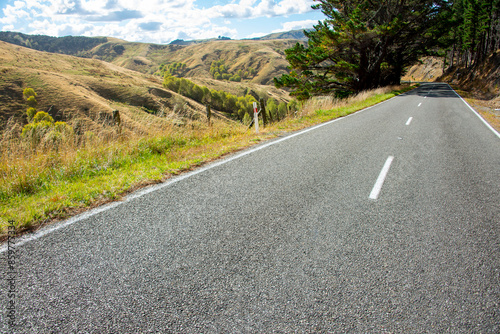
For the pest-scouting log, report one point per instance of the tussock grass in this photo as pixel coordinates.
(324, 108)
(47, 183)
(326, 103)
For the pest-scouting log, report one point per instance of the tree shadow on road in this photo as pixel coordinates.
(433, 90)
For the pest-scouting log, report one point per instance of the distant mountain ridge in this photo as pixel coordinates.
(69, 45)
(292, 34)
(81, 45)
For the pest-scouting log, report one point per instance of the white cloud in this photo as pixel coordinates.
(269, 8)
(13, 13)
(149, 21)
(72, 27)
(295, 25)
(257, 35)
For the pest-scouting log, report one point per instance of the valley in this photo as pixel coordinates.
(125, 76)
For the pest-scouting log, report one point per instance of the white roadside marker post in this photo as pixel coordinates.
(256, 117)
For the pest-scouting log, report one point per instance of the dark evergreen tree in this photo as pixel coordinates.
(474, 32)
(363, 44)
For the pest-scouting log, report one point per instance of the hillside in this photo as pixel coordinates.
(484, 77)
(265, 55)
(84, 92)
(427, 69)
(480, 85)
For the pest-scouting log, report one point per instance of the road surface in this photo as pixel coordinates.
(383, 221)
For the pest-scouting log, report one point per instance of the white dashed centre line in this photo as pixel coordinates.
(420, 104)
(381, 178)
(409, 121)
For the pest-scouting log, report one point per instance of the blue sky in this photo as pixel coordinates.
(157, 21)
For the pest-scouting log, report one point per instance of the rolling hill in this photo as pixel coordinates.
(265, 55)
(110, 74)
(84, 92)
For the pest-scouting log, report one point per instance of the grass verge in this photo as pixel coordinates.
(487, 106)
(42, 186)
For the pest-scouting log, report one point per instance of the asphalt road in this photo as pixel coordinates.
(286, 238)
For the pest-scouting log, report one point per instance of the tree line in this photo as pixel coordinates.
(364, 44)
(177, 69)
(474, 32)
(219, 71)
(70, 45)
(234, 106)
(237, 107)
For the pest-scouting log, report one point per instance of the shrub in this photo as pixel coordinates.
(36, 131)
(43, 130)
(32, 103)
(31, 112)
(64, 128)
(29, 92)
(30, 96)
(235, 78)
(42, 116)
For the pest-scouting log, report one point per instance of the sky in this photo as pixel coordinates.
(157, 21)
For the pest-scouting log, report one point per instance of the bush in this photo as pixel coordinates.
(247, 119)
(235, 78)
(31, 112)
(282, 110)
(44, 131)
(29, 92)
(32, 103)
(35, 132)
(293, 106)
(42, 116)
(41, 127)
(65, 129)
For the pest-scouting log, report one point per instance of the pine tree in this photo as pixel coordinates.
(363, 44)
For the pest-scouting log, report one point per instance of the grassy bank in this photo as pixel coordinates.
(43, 185)
(487, 105)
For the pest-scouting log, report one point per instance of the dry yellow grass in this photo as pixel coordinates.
(330, 102)
(45, 183)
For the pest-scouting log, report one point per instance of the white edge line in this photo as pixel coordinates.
(477, 114)
(70, 221)
(409, 121)
(381, 178)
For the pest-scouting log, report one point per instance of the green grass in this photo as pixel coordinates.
(36, 188)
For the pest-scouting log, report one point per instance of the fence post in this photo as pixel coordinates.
(256, 117)
(263, 111)
(209, 114)
(117, 120)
